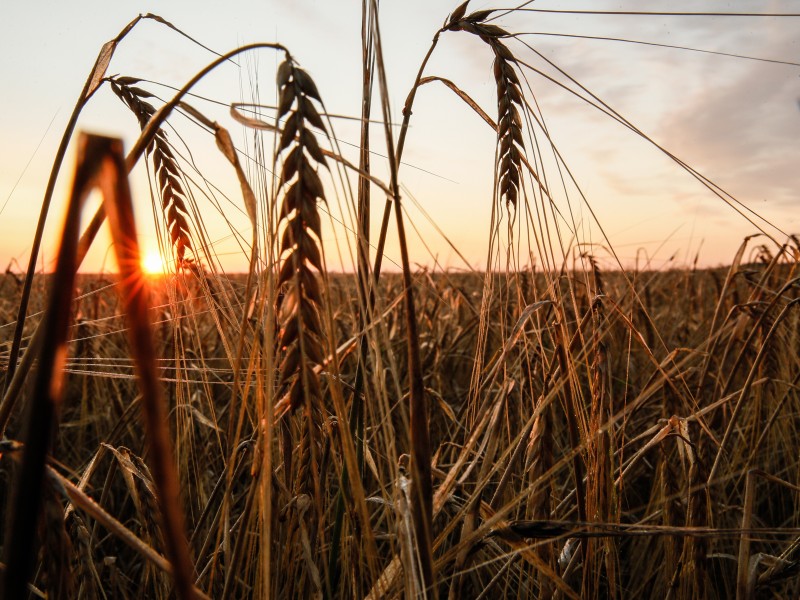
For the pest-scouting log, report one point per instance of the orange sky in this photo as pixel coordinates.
(733, 119)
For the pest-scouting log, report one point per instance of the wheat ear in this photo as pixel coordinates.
(166, 167)
(510, 145)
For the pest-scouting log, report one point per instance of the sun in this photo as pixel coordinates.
(152, 263)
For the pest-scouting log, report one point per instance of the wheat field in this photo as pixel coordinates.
(555, 424)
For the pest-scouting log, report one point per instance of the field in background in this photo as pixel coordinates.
(650, 390)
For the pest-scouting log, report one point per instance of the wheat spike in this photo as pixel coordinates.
(166, 167)
(300, 299)
(510, 144)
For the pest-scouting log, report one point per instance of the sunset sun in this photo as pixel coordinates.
(153, 263)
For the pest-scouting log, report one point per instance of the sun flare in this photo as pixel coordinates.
(153, 263)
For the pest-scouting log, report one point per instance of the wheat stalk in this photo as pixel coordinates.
(301, 340)
(56, 548)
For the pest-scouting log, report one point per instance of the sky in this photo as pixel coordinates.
(735, 120)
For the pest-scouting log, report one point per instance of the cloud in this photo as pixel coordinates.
(741, 126)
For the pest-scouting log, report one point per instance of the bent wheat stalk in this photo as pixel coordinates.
(101, 164)
(150, 131)
(93, 82)
(89, 88)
